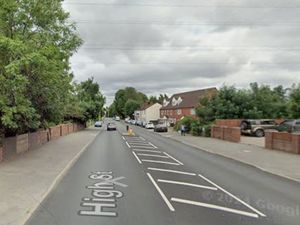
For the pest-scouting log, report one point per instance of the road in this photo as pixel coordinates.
(152, 180)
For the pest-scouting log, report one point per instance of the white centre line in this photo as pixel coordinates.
(162, 162)
(187, 184)
(123, 138)
(128, 145)
(152, 145)
(171, 171)
(158, 156)
(161, 193)
(233, 196)
(144, 150)
(215, 207)
(137, 158)
(173, 158)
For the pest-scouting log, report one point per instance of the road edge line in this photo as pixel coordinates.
(58, 179)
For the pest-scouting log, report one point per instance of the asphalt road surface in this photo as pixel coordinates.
(152, 180)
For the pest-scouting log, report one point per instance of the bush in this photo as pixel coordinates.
(187, 121)
(207, 130)
(196, 128)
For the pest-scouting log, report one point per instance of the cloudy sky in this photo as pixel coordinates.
(169, 46)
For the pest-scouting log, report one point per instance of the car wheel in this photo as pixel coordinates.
(244, 125)
(259, 133)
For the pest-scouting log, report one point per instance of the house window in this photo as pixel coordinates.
(179, 111)
(193, 112)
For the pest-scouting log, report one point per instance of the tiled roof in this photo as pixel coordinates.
(188, 99)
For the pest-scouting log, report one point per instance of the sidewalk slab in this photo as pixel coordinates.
(279, 163)
(25, 181)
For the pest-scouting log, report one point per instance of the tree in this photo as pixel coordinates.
(123, 95)
(36, 42)
(294, 102)
(130, 106)
(91, 100)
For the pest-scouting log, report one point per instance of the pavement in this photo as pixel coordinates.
(28, 179)
(150, 179)
(250, 152)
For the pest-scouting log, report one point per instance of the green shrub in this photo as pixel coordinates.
(196, 128)
(207, 130)
(187, 121)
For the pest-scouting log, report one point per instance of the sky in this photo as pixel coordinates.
(170, 46)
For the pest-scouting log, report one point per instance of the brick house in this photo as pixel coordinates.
(184, 104)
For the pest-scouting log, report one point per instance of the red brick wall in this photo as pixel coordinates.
(172, 113)
(70, 128)
(1, 154)
(283, 141)
(22, 143)
(38, 139)
(64, 129)
(55, 132)
(229, 123)
(232, 134)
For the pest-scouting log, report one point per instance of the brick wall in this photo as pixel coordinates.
(70, 128)
(64, 129)
(229, 123)
(12, 146)
(38, 139)
(22, 143)
(1, 154)
(55, 132)
(283, 141)
(232, 134)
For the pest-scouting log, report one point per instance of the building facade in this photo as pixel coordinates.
(148, 112)
(184, 104)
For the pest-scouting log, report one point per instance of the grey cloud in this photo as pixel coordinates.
(170, 49)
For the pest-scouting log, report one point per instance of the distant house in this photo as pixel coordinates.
(184, 104)
(148, 112)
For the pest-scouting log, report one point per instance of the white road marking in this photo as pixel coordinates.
(187, 184)
(141, 146)
(172, 171)
(162, 162)
(144, 150)
(173, 158)
(123, 138)
(152, 145)
(233, 196)
(137, 158)
(161, 193)
(142, 138)
(158, 156)
(235, 211)
(128, 145)
(138, 143)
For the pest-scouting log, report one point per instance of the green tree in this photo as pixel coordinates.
(294, 102)
(123, 95)
(36, 42)
(130, 106)
(91, 100)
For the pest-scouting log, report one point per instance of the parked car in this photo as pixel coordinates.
(257, 127)
(291, 126)
(117, 118)
(139, 123)
(149, 125)
(98, 124)
(111, 126)
(161, 127)
(133, 122)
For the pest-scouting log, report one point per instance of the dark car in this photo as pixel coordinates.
(111, 126)
(257, 127)
(291, 126)
(161, 127)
